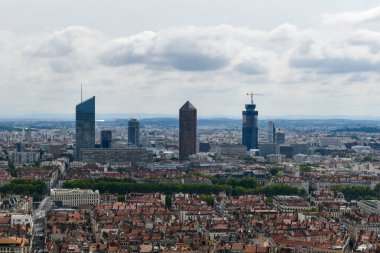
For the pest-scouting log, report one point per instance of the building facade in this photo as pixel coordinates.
(187, 130)
(75, 197)
(14, 244)
(106, 138)
(112, 155)
(271, 132)
(280, 137)
(134, 132)
(250, 130)
(85, 126)
(269, 149)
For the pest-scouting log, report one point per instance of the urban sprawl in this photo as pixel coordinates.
(189, 184)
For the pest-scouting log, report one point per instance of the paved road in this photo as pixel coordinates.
(39, 225)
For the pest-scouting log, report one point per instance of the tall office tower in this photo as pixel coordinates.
(280, 137)
(250, 133)
(28, 134)
(105, 138)
(134, 132)
(187, 130)
(85, 126)
(271, 132)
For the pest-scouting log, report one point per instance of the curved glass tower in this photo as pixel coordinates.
(85, 126)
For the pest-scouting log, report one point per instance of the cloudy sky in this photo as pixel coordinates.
(309, 58)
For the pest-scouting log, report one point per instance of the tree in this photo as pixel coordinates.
(377, 190)
(356, 192)
(168, 201)
(121, 198)
(367, 159)
(25, 186)
(247, 182)
(274, 171)
(11, 169)
(209, 199)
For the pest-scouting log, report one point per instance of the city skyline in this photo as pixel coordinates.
(326, 56)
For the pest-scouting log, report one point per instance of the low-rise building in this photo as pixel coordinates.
(75, 197)
(112, 155)
(290, 204)
(14, 245)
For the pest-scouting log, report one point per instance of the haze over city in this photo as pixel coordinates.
(310, 59)
(210, 126)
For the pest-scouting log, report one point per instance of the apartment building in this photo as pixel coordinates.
(75, 197)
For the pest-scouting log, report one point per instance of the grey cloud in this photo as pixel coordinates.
(366, 38)
(195, 61)
(123, 57)
(203, 49)
(336, 65)
(157, 51)
(188, 55)
(250, 68)
(63, 66)
(65, 51)
(62, 42)
(131, 50)
(52, 48)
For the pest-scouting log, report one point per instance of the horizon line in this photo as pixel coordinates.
(71, 117)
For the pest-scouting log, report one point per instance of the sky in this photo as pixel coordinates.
(147, 58)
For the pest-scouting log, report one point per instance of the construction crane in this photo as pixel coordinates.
(254, 94)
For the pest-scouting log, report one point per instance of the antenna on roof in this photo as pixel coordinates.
(81, 93)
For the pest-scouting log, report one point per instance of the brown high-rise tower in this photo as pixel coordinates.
(187, 130)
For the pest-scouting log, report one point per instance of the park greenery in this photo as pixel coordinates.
(358, 192)
(234, 187)
(25, 187)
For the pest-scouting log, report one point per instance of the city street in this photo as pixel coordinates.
(39, 225)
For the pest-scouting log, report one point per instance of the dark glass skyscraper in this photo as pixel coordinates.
(250, 132)
(134, 132)
(187, 130)
(106, 138)
(85, 126)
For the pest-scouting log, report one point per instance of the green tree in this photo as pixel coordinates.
(274, 171)
(377, 190)
(208, 198)
(247, 182)
(356, 192)
(367, 159)
(11, 169)
(168, 201)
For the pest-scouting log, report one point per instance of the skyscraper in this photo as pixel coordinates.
(134, 132)
(106, 138)
(187, 130)
(85, 126)
(250, 130)
(280, 137)
(271, 132)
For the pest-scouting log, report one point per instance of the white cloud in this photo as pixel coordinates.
(214, 66)
(351, 17)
